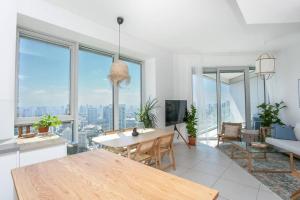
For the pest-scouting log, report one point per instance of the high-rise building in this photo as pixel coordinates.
(107, 118)
(92, 115)
(122, 116)
(82, 140)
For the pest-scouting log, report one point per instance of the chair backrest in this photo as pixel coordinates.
(145, 147)
(111, 132)
(231, 124)
(165, 141)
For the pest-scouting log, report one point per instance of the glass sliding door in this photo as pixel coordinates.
(222, 94)
(232, 97)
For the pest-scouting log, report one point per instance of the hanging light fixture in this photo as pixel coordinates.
(119, 69)
(265, 68)
(265, 65)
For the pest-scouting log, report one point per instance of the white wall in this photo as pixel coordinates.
(285, 83)
(8, 22)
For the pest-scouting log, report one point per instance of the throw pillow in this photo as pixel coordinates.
(283, 132)
(231, 131)
(297, 131)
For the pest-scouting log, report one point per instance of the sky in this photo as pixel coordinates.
(44, 77)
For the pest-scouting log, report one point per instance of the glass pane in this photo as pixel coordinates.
(65, 131)
(44, 79)
(130, 97)
(94, 96)
(256, 98)
(232, 97)
(205, 100)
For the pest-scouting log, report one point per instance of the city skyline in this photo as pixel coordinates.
(45, 70)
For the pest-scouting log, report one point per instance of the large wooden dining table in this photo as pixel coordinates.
(125, 139)
(102, 175)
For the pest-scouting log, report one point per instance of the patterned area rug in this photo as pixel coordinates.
(283, 184)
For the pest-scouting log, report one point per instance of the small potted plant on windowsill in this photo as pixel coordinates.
(191, 125)
(45, 122)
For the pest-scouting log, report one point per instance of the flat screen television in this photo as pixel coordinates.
(175, 111)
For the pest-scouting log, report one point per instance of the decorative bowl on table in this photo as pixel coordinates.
(259, 145)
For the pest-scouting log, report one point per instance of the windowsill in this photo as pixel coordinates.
(39, 142)
(29, 144)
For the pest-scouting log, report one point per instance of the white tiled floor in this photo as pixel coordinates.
(209, 166)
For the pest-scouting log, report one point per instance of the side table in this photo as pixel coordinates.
(249, 136)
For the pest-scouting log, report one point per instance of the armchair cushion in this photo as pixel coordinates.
(231, 130)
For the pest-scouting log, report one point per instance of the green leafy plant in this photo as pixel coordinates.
(191, 121)
(47, 121)
(147, 114)
(269, 113)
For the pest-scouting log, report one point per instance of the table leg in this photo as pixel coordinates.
(292, 164)
(128, 151)
(250, 166)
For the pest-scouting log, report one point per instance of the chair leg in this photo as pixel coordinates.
(173, 158)
(218, 141)
(159, 160)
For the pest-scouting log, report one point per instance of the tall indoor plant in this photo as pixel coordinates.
(269, 114)
(147, 113)
(191, 124)
(45, 122)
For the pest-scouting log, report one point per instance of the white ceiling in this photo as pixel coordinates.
(270, 11)
(185, 26)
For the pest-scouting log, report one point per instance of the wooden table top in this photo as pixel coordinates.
(103, 175)
(124, 139)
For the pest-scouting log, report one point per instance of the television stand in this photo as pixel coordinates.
(179, 134)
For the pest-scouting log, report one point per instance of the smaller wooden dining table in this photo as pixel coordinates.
(125, 139)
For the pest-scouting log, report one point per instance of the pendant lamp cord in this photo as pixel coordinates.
(119, 40)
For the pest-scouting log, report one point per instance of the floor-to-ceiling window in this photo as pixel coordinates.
(130, 96)
(205, 99)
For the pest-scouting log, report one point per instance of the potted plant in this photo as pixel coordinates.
(146, 115)
(45, 122)
(191, 124)
(269, 114)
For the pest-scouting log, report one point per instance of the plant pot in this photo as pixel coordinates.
(192, 140)
(43, 130)
(264, 132)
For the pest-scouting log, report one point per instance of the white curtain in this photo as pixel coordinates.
(204, 99)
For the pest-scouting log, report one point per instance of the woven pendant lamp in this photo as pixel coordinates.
(119, 69)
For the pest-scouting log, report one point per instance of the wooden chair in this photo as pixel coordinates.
(222, 137)
(145, 152)
(165, 146)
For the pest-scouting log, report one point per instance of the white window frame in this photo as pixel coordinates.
(73, 99)
(19, 121)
